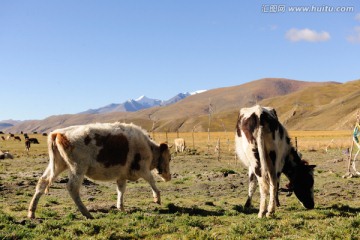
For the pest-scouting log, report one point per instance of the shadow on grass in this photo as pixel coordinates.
(241, 209)
(342, 208)
(192, 211)
(196, 211)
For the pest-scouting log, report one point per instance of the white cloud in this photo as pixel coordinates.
(357, 17)
(355, 37)
(308, 35)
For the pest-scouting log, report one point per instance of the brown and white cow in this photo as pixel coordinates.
(110, 151)
(27, 144)
(179, 144)
(264, 146)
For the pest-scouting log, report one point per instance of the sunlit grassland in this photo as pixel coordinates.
(306, 140)
(200, 202)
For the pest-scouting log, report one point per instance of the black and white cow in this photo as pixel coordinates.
(110, 151)
(6, 155)
(264, 146)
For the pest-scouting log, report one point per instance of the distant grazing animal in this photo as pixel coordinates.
(44, 134)
(110, 151)
(179, 144)
(26, 135)
(1, 132)
(10, 136)
(17, 138)
(34, 140)
(4, 155)
(27, 144)
(263, 145)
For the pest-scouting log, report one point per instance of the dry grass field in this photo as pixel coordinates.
(204, 200)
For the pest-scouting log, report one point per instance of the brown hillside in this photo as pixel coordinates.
(192, 113)
(227, 98)
(329, 107)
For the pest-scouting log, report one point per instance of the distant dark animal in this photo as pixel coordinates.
(3, 138)
(34, 140)
(263, 145)
(44, 134)
(5, 155)
(17, 138)
(103, 152)
(27, 144)
(34, 132)
(1, 132)
(26, 135)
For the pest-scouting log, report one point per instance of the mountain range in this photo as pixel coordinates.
(300, 105)
(140, 103)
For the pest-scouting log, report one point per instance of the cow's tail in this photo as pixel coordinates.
(53, 153)
(260, 140)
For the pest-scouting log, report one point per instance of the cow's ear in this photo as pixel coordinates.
(163, 147)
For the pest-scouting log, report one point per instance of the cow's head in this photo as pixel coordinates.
(163, 166)
(303, 185)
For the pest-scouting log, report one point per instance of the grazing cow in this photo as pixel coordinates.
(27, 144)
(34, 140)
(263, 145)
(10, 136)
(111, 151)
(179, 144)
(17, 138)
(4, 155)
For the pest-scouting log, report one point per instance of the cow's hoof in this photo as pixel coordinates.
(270, 215)
(157, 200)
(31, 215)
(261, 214)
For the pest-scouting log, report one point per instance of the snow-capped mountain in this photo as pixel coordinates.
(137, 104)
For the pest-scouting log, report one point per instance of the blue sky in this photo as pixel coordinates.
(59, 57)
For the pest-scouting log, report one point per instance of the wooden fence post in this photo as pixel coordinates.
(218, 149)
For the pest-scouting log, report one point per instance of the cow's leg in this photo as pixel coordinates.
(252, 188)
(272, 199)
(73, 186)
(156, 192)
(277, 190)
(263, 193)
(277, 201)
(121, 186)
(43, 184)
